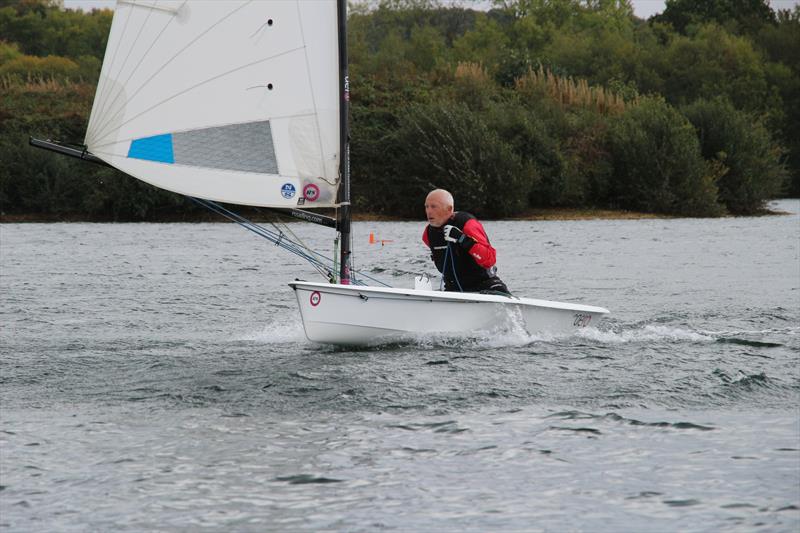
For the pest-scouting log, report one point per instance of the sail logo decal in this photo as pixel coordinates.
(156, 148)
(288, 190)
(311, 192)
(315, 298)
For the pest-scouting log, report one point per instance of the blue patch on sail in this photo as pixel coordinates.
(155, 148)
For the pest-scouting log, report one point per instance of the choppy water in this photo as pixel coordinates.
(155, 377)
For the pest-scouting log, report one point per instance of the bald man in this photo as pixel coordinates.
(459, 247)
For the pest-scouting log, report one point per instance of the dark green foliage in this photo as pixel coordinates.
(740, 143)
(444, 145)
(375, 111)
(745, 16)
(43, 31)
(782, 45)
(588, 165)
(658, 166)
(781, 41)
(406, 16)
(526, 132)
(36, 181)
(437, 101)
(566, 145)
(713, 62)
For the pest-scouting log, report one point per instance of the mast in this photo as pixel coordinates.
(344, 147)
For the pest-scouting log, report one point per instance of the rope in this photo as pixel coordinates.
(321, 263)
(452, 267)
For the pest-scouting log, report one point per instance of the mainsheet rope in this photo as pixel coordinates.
(321, 263)
(452, 267)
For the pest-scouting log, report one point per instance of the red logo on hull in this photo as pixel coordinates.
(311, 192)
(316, 297)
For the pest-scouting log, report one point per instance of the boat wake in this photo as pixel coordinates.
(289, 330)
(647, 333)
(286, 330)
(670, 334)
(512, 333)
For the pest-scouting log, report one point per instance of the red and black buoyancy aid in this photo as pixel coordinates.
(454, 261)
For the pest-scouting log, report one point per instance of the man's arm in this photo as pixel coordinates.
(481, 251)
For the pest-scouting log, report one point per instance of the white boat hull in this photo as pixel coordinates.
(357, 315)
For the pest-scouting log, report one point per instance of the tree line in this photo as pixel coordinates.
(532, 103)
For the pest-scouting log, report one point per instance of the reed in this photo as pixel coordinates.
(570, 92)
(76, 89)
(467, 70)
(33, 82)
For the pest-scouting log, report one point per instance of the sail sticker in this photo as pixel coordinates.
(316, 297)
(311, 192)
(287, 190)
(156, 148)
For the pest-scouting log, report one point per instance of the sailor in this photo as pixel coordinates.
(459, 247)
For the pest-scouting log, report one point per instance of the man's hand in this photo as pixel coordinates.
(453, 234)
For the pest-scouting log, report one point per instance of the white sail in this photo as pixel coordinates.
(232, 101)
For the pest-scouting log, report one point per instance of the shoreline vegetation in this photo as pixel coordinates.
(557, 110)
(542, 214)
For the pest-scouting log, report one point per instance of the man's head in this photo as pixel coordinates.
(439, 207)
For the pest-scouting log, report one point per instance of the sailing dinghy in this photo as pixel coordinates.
(246, 103)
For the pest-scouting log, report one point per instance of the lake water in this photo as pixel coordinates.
(155, 377)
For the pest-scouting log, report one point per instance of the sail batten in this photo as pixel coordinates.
(153, 6)
(234, 102)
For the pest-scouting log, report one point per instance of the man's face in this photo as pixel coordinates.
(437, 211)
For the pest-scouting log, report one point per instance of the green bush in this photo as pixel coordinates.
(528, 135)
(657, 163)
(473, 87)
(437, 101)
(37, 69)
(374, 112)
(41, 28)
(39, 182)
(8, 51)
(753, 170)
(587, 164)
(445, 145)
(568, 141)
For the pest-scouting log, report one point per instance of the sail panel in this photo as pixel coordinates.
(245, 147)
(243, 87)
(156, 148)
(242, 188)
